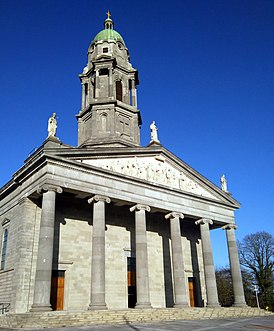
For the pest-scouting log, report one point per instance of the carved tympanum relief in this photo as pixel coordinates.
(152, 169)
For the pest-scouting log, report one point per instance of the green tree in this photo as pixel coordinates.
(256, 252)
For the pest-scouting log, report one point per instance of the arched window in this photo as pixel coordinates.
(119, 90)
(4, 249)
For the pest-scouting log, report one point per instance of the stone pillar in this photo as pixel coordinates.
(83, 96)
(42, 286)
(180, 293)
(97, 295)
(24, 244)
(210, 278)
(97, 88)
(110, 93)
(142, 279)
(134, 94)
(237, 282)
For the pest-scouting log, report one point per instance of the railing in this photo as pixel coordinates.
(4, 307)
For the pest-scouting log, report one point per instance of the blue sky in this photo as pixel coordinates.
(206, 78)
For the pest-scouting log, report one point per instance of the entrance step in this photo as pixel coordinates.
(80, 318)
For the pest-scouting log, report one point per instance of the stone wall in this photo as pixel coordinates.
(73, 248)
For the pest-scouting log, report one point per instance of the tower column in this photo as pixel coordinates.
(142, 279)
(180, 293)
(210, 278)
(97, 295)
(97, 87)
(237, 282)
(83, 96)
(42, 286)
(110, 93)
(134, 94)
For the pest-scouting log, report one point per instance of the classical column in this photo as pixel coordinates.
(42, 286)
(237, 282)
(210, 278)
(142, 280)
(97, 295)
(110, 93)
(83, 96)
(97, 88)
(180, 293)
(133, 93)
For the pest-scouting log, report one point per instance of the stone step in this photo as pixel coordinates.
(81, 318)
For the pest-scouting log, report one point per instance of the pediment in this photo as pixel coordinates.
(154, 169)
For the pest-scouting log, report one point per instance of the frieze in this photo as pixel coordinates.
(152, 169)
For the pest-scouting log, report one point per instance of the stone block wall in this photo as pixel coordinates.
(73, 249)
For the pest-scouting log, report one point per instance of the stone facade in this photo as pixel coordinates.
(111, 224)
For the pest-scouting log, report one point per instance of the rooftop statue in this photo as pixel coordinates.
(153, 133)
(224, 183)
(52, 126)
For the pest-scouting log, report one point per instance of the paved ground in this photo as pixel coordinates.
(244, 324)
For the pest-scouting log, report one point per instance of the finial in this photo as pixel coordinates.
(108, 21)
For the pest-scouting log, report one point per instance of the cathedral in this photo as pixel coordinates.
(111, 224)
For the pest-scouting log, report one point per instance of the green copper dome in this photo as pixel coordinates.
(108, 34)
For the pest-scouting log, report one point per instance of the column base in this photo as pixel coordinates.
(240, 305)
(37, 307)
(145, 305)
(213, 305)
(181, 305)
(97, 307)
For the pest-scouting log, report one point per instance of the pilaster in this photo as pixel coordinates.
(23, 264)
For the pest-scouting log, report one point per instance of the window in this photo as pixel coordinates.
(119, 90)
(4, 249)
(105, 50)
(103, 72)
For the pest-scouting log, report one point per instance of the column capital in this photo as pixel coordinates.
(173, 215)
(230, 226)
(97, 198)
(203, 221)
(139, 207)
(48, 187)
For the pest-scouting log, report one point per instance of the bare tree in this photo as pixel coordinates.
(256, 253)
(224, 286)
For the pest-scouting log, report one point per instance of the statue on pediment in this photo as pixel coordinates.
(52, 126)
(224, 183)
(154, 133)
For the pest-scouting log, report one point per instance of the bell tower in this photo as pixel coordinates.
(109, 115)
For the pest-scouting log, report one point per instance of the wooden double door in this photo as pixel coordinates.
(192, 292)
(131, 281)
(57, 289)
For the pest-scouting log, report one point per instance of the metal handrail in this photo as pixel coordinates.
(4, 307)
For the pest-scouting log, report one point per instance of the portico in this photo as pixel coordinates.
(139, 216)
